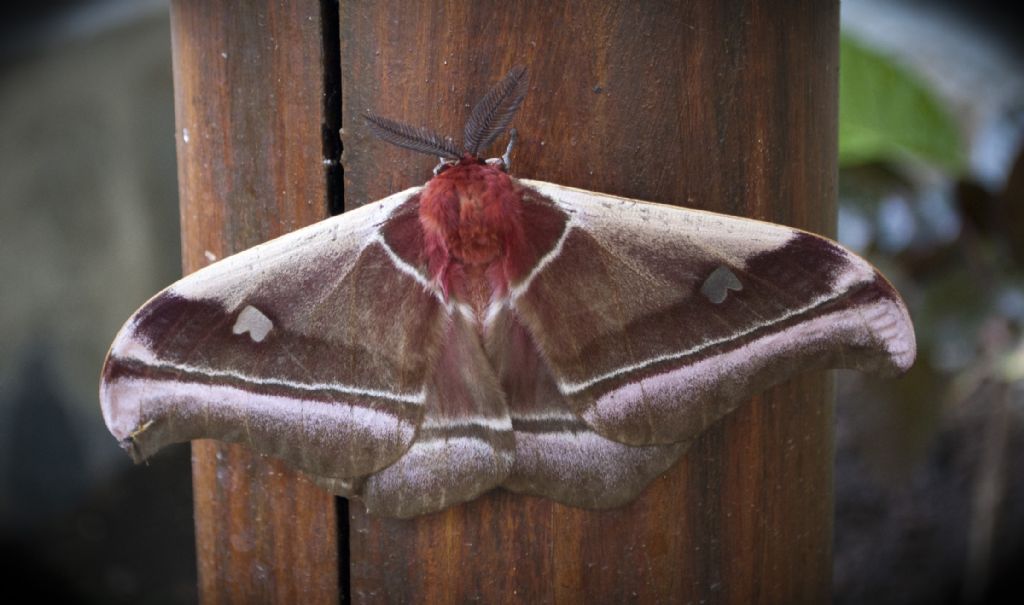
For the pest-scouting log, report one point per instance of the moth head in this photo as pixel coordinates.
(490, 118)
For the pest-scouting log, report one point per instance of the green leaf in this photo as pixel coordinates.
(886, 115)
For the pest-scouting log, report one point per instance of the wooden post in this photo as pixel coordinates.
(726, 105)
(249, 104)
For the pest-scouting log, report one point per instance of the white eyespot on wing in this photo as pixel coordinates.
(716, 287)
(253, 321)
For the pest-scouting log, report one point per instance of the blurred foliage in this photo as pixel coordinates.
(885, 114)
(924, 487)
(907, 201)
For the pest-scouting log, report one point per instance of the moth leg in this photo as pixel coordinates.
(506, 159)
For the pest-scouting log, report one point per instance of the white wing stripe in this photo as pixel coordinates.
(552, 254)
(405, 267)
(571, 388)
(413, 398)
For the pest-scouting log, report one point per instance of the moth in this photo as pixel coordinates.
(482, 331)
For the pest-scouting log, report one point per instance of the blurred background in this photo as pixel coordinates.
(929, 469)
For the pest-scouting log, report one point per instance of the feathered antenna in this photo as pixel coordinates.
(495, 111)
(420, 139)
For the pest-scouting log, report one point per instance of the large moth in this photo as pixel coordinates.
(482, 331)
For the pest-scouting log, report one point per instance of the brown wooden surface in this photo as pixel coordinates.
(722, 105)
(248, 81)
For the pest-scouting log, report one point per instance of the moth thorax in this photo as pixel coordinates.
(468, 213)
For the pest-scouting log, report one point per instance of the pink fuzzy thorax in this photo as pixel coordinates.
(471, 215)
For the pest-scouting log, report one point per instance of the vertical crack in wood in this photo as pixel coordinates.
(344, 555)
(331, 45)
(330, 15)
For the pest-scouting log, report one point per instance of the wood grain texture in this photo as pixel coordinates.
(720, 105)
(248, 84)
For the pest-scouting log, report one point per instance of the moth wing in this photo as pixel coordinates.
(655, 321)
(313, 348)
(465, 445)
(556, 454)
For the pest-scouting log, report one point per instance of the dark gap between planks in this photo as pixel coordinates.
(332, 146)
(335, 194)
